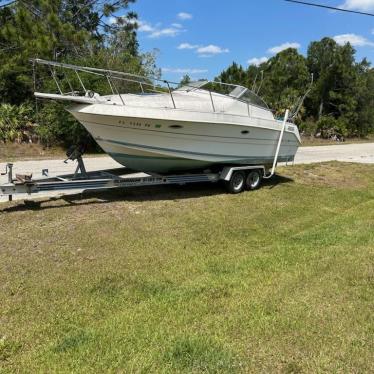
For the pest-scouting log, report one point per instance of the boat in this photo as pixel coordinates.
(162, 129)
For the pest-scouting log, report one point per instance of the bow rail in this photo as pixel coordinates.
(146, 85)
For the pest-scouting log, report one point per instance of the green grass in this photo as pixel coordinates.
(193, 280)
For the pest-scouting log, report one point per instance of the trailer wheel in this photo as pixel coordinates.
(253, 180)
(236, 183)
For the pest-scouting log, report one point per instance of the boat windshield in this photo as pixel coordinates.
(192, 86)
(251, 98)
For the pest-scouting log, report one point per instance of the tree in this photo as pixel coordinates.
(185, 80)
(280, 81)
(365, 99)
(333, 67)
(82, 32)
(286, 78)
(339, 90)
(57, 30)
(234, 74)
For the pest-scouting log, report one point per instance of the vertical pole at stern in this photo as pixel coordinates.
(278, 145)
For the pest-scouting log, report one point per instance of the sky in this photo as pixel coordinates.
(203, 37)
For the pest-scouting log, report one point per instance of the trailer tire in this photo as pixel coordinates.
(236, 183)
(253, 180)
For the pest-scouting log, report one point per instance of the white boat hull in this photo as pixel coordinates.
(154, 140)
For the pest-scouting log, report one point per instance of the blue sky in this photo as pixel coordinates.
(202, 37)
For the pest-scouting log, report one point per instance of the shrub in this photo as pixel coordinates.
(329, 127)
(308, 128)
(57, 126)
(16, 122)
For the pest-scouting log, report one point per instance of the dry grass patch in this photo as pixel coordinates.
(331, 174)
(11, 152)
(14, 152)
(308, 141)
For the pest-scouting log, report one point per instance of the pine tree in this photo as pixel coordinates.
(59, 30)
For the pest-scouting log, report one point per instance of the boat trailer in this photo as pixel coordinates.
(83, 180)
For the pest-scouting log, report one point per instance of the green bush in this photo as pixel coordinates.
(51, 125)
(308, 128)
(330, 126)
(57, 126)
(16, 122)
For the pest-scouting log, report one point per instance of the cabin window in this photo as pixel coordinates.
(245, 132)
(175, 126)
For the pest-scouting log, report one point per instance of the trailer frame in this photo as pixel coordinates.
(83, 180)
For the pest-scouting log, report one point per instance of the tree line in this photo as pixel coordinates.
(341, 99)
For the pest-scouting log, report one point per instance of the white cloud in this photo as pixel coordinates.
(156, 31)
(184, 16)
(204, 50)
(168, 31)
(273, 51)
(360, 5)
(188, 46)
(353, 39)
(257, 61)
(211, 50)
(144, 26)
(184, 70)
(282, 47)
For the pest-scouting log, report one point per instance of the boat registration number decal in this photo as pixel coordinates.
(137, 124)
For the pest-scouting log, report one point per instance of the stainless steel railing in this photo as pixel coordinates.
(152, 84)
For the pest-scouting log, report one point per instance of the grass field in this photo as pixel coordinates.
(189, 279)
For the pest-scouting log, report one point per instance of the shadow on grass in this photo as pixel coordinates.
(133, 194)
